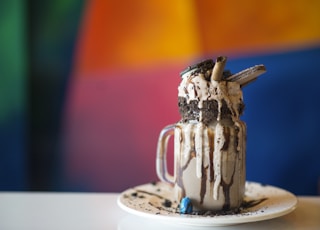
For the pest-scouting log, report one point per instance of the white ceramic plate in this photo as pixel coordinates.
(149, 200)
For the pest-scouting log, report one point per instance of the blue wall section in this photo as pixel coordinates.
(13, 173)
(282, 116)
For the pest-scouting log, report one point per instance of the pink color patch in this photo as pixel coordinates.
(112, 126)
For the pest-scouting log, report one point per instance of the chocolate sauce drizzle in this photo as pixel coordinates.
(166, 204)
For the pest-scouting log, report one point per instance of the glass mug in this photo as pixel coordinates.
(209, 163)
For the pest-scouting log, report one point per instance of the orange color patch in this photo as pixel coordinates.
(141, 33)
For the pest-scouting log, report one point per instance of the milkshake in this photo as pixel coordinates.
(210, 138)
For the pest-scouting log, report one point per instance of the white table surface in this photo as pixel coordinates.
(37, 210)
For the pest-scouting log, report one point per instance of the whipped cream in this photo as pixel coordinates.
(195, 87)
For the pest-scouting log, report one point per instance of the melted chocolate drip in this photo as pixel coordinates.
(226, 134)
(211, 146)
(252, 203)
(226, 191)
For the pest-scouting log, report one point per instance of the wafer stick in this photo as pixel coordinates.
(246, 76)
(218, 68)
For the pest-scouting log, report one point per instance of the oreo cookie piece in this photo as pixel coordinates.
(204, 67)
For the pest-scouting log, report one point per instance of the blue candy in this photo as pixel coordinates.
(186, 206)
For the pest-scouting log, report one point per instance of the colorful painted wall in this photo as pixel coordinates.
(114, 77)
(13, 100)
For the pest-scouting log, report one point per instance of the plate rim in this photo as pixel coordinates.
(221, 220)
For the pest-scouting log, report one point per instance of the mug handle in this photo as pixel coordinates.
(161, 160)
